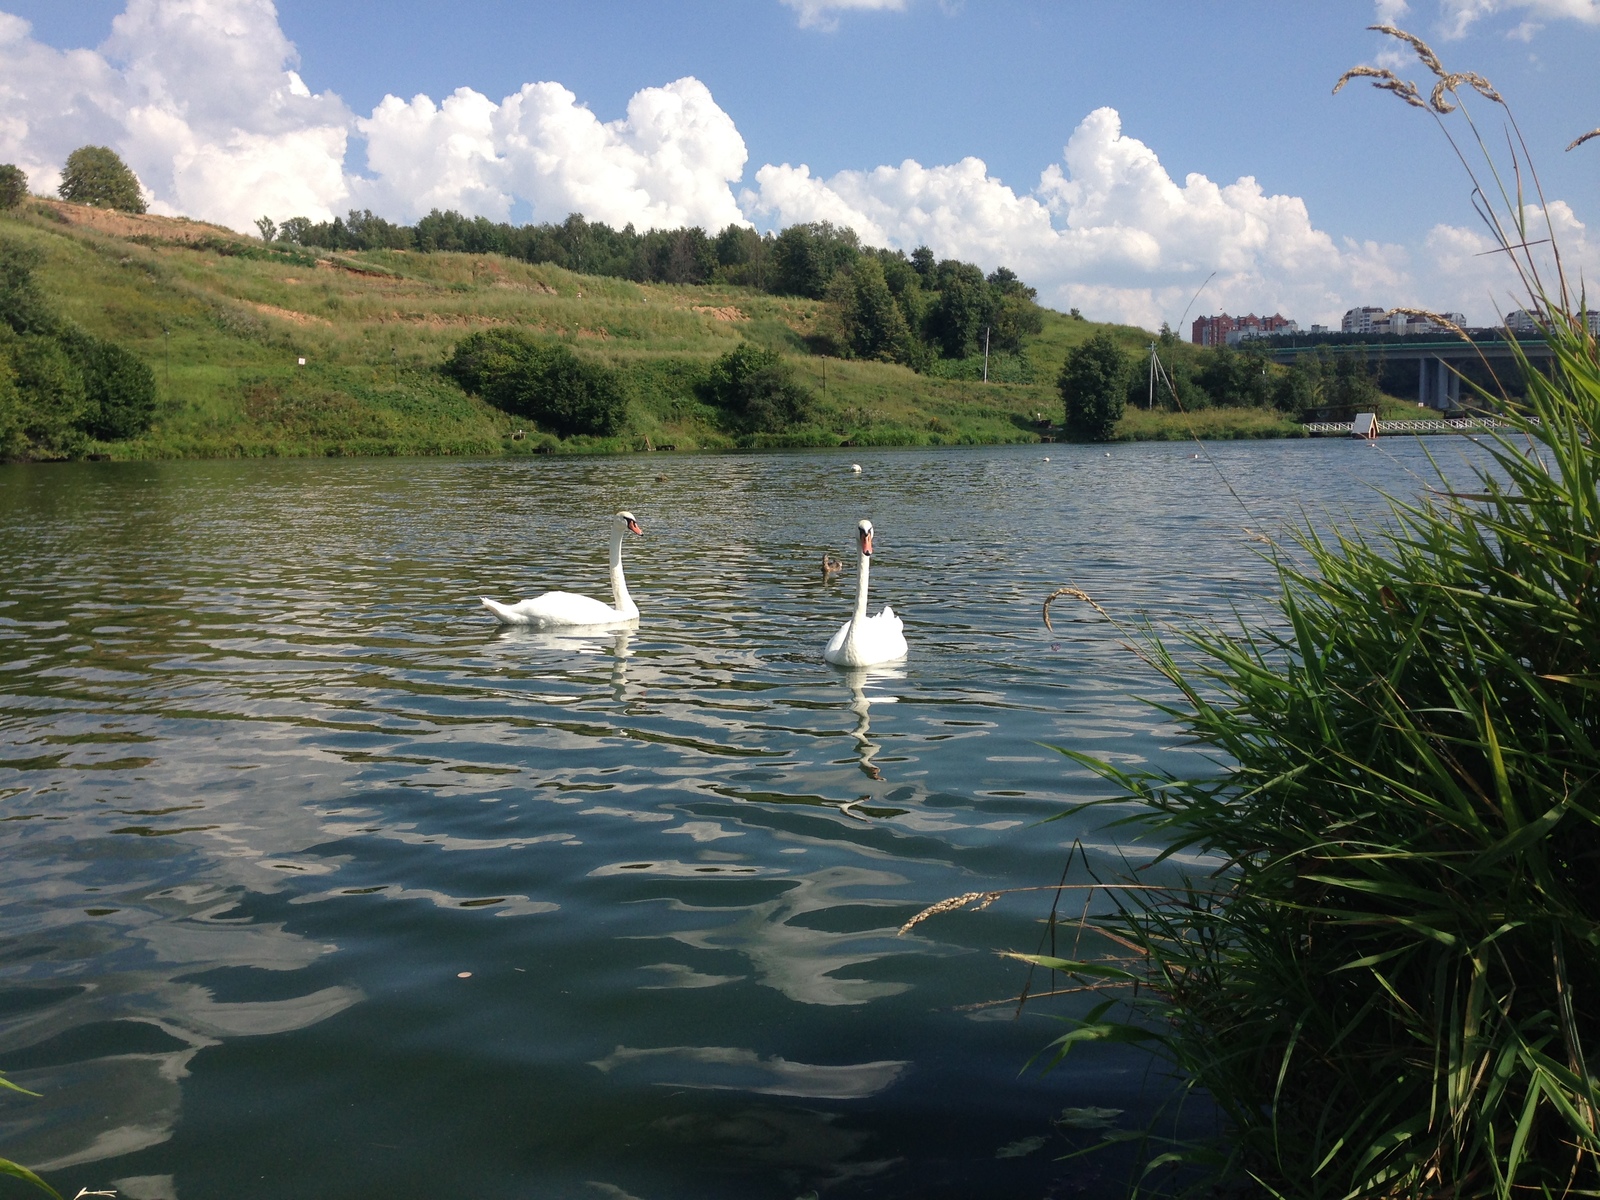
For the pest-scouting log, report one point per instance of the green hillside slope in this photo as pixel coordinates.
(224, 321)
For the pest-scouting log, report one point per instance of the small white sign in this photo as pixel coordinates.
(302, 362)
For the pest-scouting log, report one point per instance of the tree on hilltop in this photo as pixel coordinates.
(95, 175)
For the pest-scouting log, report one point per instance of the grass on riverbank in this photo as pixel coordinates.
(223, 321)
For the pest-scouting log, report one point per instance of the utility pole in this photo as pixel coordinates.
(986, 354)
(1151, 401)
(166, 343)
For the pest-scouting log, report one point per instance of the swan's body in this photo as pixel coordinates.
(865, 641)
(566, 609)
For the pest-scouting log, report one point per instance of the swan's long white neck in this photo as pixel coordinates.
(620, 599)
(861, 592)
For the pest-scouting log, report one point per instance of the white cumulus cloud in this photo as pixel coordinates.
(824, 14)
(198, 96)
(202, 100)
(1456, 17)
(668, 163)
(1107, 230)
(1468, 265)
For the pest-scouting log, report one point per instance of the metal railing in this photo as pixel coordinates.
(1434, 425)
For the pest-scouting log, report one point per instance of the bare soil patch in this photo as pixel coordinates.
(128, 225)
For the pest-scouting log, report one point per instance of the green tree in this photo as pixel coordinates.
(267, 228)
(1235, 378)
(13, 186)
(805, 258)
(1094, 385)
(955, 320)
(95, 175)
(873, 323)
(757, 390)
(298, 229)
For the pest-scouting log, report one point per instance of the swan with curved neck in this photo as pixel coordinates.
(566, 609)
(864, 641)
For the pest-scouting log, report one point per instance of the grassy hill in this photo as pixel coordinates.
(225, 320)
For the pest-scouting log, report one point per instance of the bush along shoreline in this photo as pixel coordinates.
(61, 388)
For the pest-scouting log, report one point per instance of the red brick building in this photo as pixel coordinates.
(1215, 331)
(1211, 331)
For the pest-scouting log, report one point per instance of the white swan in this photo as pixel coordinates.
(864, 641)
(553, 609)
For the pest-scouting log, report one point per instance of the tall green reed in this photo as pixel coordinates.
(1390, 984)
(17, 1170)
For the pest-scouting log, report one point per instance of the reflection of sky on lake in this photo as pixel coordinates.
(302, 850)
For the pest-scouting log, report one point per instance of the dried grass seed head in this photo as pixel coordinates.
(1387, 81)
(1424, 51)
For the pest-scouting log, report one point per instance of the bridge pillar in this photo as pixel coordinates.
(1437, 385)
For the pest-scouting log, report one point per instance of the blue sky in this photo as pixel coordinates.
(1222, 90)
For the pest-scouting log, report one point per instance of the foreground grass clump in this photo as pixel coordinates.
(1392, 986)
(1388, 977)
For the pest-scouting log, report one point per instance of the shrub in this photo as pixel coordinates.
(544, 382)
(52, 394)
(119, 388)
(13, 436)
(757, 390)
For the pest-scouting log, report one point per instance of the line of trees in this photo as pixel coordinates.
(1099, 381)
(893, 307)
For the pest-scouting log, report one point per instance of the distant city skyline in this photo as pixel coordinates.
(1114, 156)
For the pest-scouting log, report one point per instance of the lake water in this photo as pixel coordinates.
(319, 884)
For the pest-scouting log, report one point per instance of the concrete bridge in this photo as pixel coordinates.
(1438, 385)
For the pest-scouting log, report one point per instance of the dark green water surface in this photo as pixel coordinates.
(318, 884)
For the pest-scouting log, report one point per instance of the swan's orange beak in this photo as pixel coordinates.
(633, 527)
(866, 544)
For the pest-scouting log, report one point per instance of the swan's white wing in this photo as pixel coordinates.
(883, 638)
(555, 609)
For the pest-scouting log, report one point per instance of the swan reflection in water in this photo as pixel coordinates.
(861, 704)
(615, 642)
